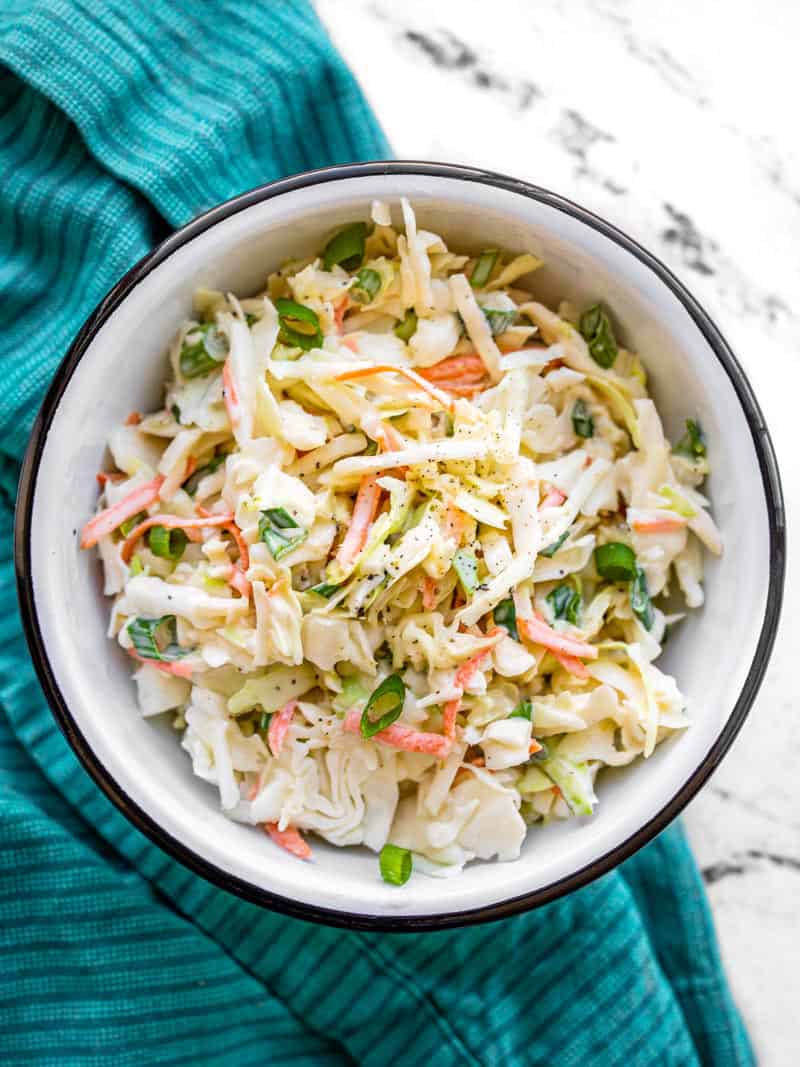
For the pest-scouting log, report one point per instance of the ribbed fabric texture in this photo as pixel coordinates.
(119, 120)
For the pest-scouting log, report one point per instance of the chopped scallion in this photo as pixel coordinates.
(396, 864)
(693, 442)
(204, 349)
(641, 604)
(166, 543)
(499, 321)
(615, 561)
(384, 706)
(565, 603)
(595, 327)
(582, 421)
(299, 325)
(484, 265)
(407, 327)
(366, 286)
(156, 638)
(466, 567)
(326, 589)
(130, 524)
(551, 550)
(505, 614)
(279, 532)
(192, 482)
(346, 248)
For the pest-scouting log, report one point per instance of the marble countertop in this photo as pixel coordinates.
(678, 123)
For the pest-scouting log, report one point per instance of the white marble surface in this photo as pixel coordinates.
(679, 123)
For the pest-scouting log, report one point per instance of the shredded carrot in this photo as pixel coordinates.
(387, 368)
(572, 664)
(539, 633)
(463, 676)
(454, 522)
(134, 418)
(461, 369)
(171, 522)
(663, 524)
(429, 591)
(534, 746)
(279, 727)
(367, 500)
(389, 440)
(237, 580)
(110, 518)
(553, 498)
(289, 839)
(231, 394)
(340, 311)
(241, 544)
(403, 737)
(104, 476)
(351, 342)
(176, 667)
(461, 389)
(191, 467)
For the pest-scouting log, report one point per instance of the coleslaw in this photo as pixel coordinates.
(395, 553)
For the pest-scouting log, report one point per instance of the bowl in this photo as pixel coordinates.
(719, 654)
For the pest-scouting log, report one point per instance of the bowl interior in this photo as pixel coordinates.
(122, 370)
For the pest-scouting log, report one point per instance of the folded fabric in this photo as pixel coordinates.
(119, 121)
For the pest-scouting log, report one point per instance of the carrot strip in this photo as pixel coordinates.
(176, 667)
(461, 369)
(367, 500)
(238, 580)
(539, 633)
(231, 394)
(279, 727)
(134, 418)
(350, 342)
(110, 518)
(104, 476)
(289, 839)
(663, 524)
(403, 737)
(171, 522)
(454, 522)
(553, 499)
(459, 389)
(463, 676)
(339, 312)
(429, 590)
(572, 664)
(405, 372)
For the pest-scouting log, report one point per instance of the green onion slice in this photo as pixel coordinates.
(326, 589)
(582, 421)
(615, 561)
(551, 550)
(299, 325)
(367, 286)
(523, 711)
(384, 706)
(396, 864)
(169, 544)
(641, 603)
(596, 330)
(129, 524)
(279, 532)
(499, 321)
(346, 248)
(204, 349)
(693, 442)
(466, 567)
(136, 567)
(565, 603)
(541, 755)
(407, 327)
(484, 266)
(192, 482)
(156, 638)
(505, 614)
(264, 721)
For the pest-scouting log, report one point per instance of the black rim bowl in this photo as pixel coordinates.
(67, 722)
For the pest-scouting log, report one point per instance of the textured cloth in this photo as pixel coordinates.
(118, 121)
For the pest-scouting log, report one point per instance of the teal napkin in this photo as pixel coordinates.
(120, 119)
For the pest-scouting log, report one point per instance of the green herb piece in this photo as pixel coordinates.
(168, 544)
(371, 449)
(484, 266)
(366, 286)
(641, 603)
(396, 864)
(466, 567)
(326, 589)
(204, 349)
(615, 561)
(384, 706)
(131, 523)
(565, 603)
(156, 638)
(193, 481)
(498, 321)
(551, 550)
(407, 327)
(136, 566)
(677, 502)
(279, 532)
(175, 411)
(299, 325)
(346, 248)
(582, 421)
(505, 614)
(596, 330)
(264, 721)
(693, 443)
(523, 711)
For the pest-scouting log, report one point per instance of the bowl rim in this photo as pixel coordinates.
(219, 876)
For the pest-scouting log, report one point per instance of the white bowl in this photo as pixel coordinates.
(117, 364)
